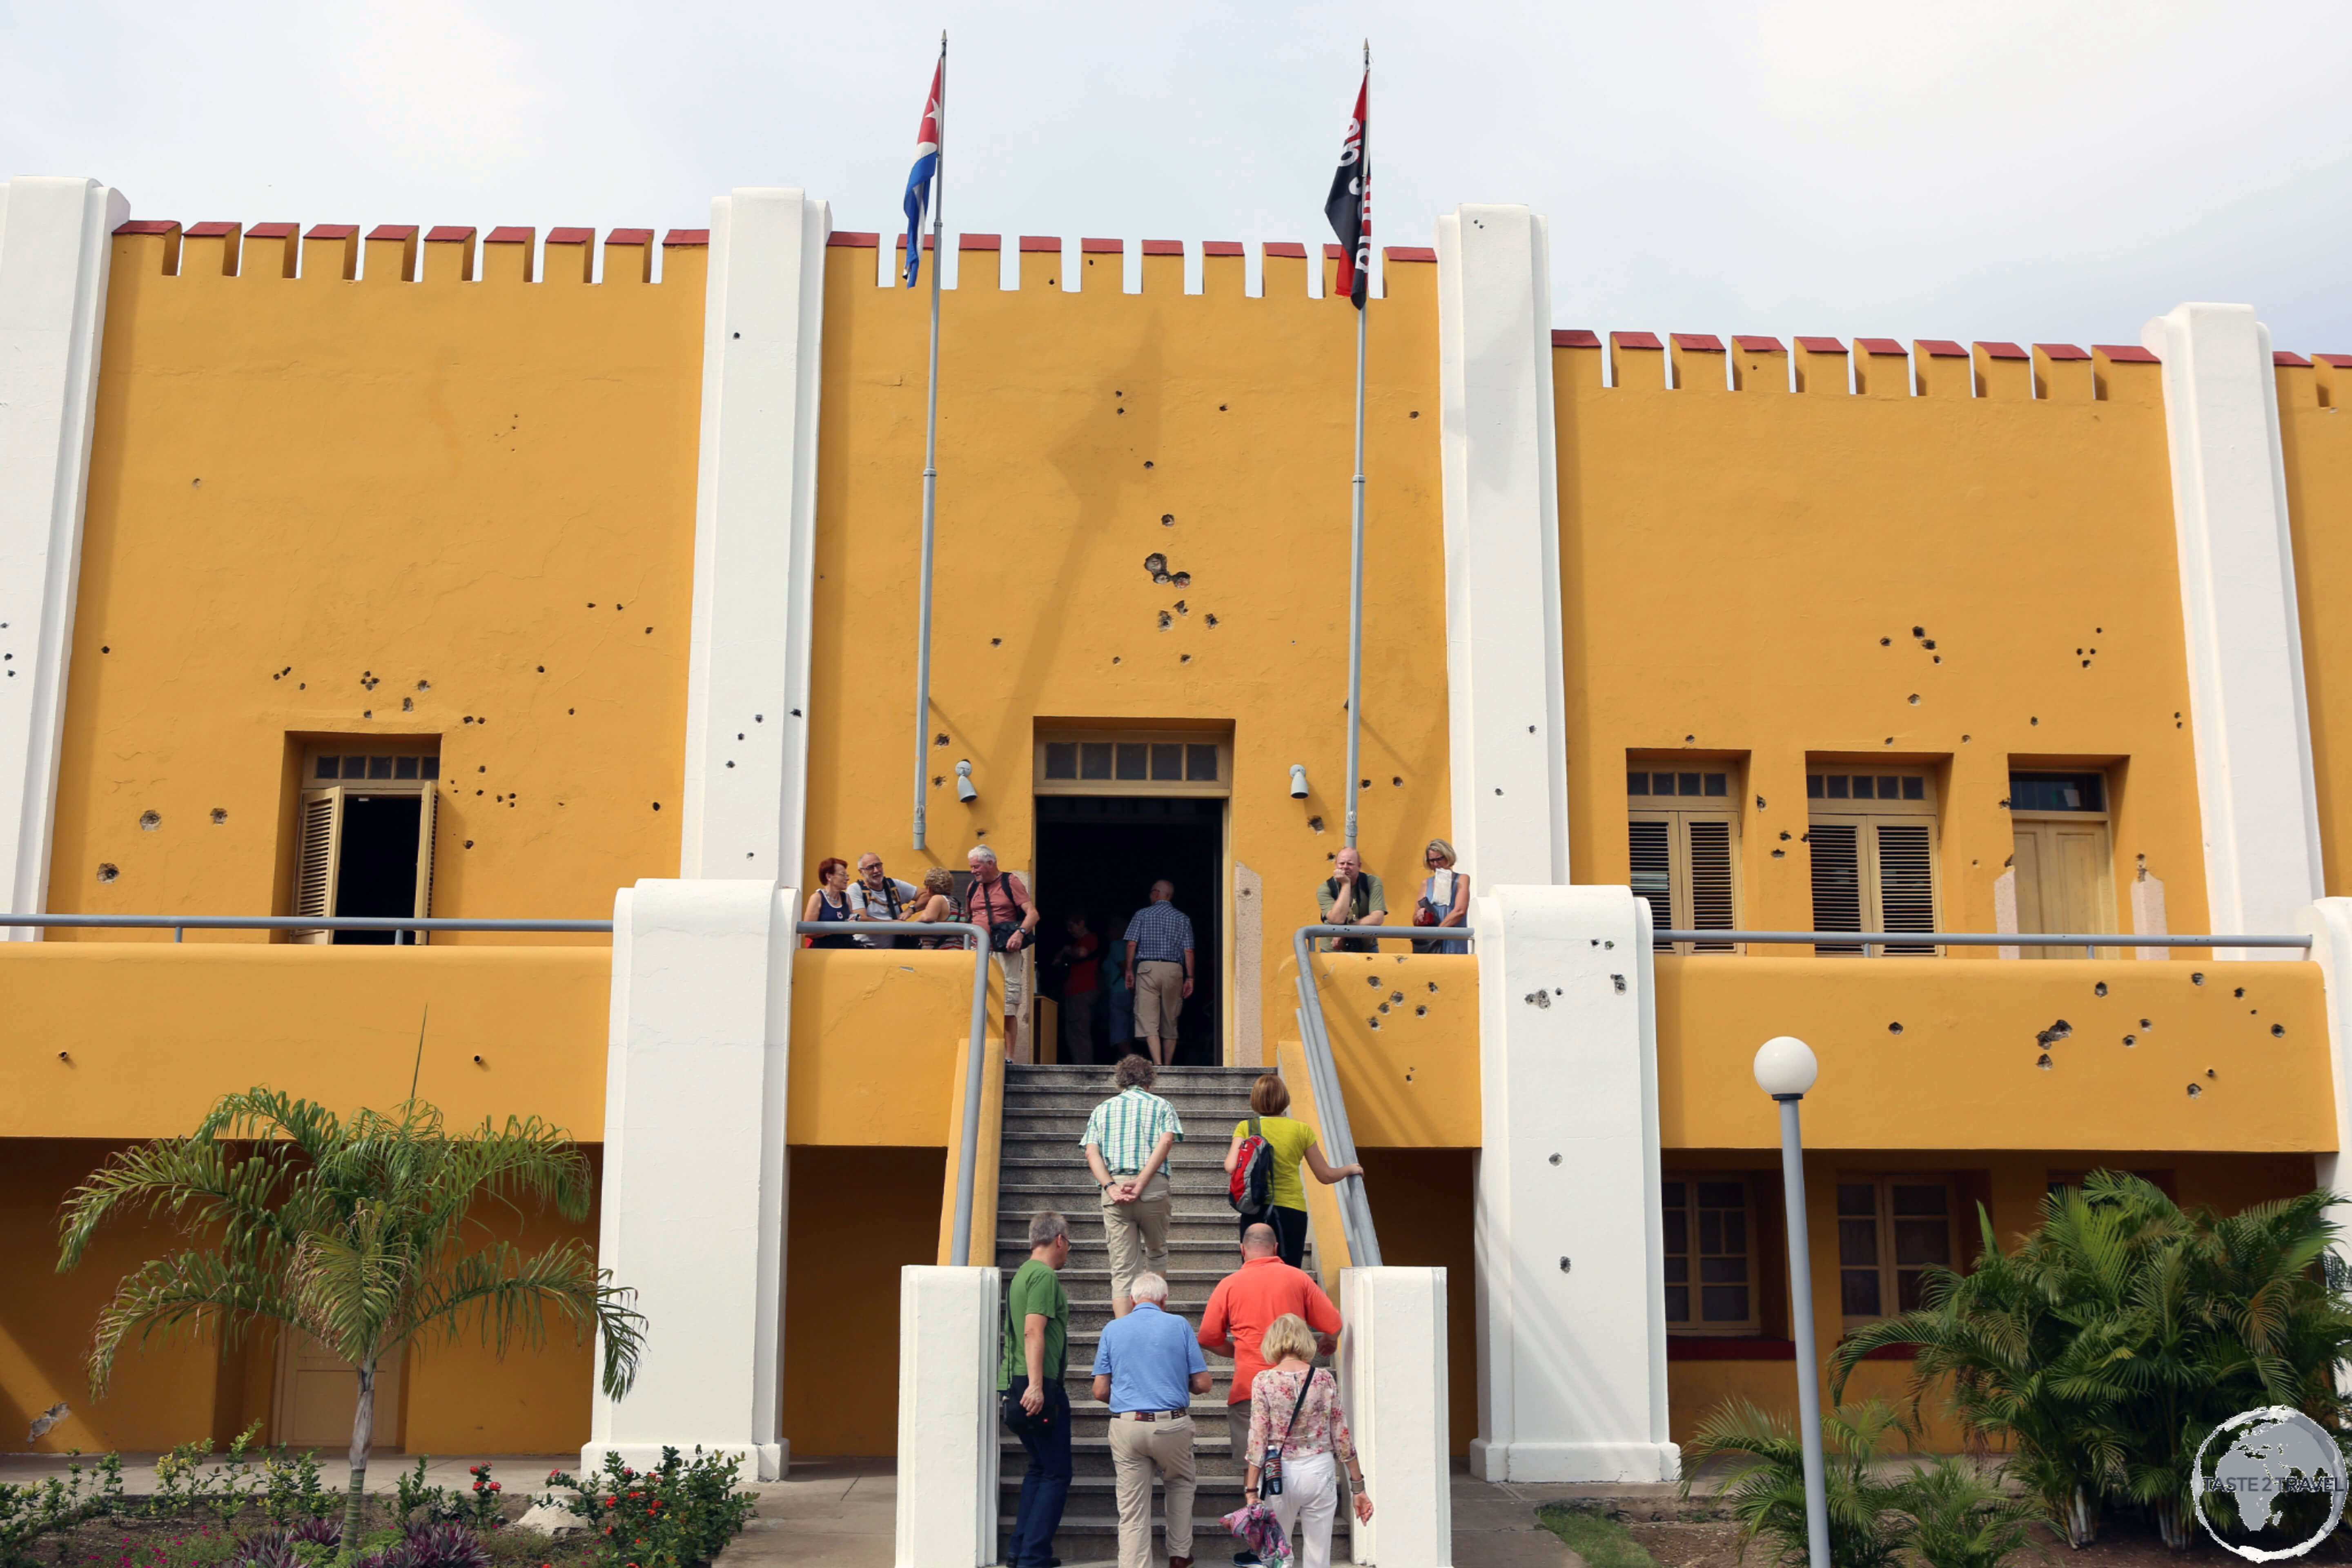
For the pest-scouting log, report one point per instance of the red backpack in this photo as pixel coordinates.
(1250, 1189)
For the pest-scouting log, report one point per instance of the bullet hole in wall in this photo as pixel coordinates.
(219, 816)
(2100, 989)
(1414, 415)
(941, 739)
(1398, 780)
(2278, 1031)
(1914, 699)
(149, 821)
(107, 871)
(1918, 631)
(996, 642)
(542, 669)
(1146, 462)
(1895, 1028)
(481, 767)
(1181, 579)
(470, 843)
(1211, 619)
(1315, 822)
(1166, 620)
(571, 711)
(1759, 805)
(1184, 659)
(421, 686)
(367, 713)
(649, 631)
(2130, 1040)
(1156, 564)
(104, 649)
(656, 805)
(409, 705)
(2033, 721)
(1886, 642)
(2194, 1090)
(2197, 980)
(2240, 992)
(1114, 658)
(1166, 520)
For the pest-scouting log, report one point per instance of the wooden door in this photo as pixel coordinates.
(2062, 880)
(319, 1392)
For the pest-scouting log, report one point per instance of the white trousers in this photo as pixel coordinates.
(1310, 1496)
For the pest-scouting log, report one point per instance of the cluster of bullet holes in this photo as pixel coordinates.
(283, 673)
(1927, 645)
(1155, 566)
(2048, 1038)
(369, 680)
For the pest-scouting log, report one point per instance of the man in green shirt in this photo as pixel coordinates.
(1036, 1341)
(1351, 896)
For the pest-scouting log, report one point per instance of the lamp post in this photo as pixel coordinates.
(1785, 1070)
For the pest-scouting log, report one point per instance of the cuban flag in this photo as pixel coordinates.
(919, 178)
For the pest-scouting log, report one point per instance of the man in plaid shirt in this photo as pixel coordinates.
(1160, 969)
(1128, 1141)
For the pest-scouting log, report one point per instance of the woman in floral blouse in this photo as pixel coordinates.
(1313, 1443)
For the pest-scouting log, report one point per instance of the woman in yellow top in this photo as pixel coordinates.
(1293, 1142)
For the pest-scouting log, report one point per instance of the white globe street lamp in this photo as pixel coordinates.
(1785, 1070)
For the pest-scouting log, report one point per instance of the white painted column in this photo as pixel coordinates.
(2252, 732)
(754, 535)
(1571, 1303)
(948, 1445)
(693, 1206)
(2329, 921)
(1505, 681)
(1393, 1386)
(55, 252)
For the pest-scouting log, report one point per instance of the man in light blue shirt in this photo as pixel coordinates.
(1148, 1366)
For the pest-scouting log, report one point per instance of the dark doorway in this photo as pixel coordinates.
(377, 860)
(1100, 855)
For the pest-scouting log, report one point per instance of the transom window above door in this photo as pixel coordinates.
(1134, 763)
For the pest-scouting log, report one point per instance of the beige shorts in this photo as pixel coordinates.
(1015, 975)
(1159, 997)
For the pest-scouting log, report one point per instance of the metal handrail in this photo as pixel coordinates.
(975, 1058)
(1323, 1077)
(1870, 940)
(180, 924)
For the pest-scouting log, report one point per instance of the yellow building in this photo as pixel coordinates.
(421, 571)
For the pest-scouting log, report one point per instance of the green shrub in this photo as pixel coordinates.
(29, 1512)
(1960, 1518)
(679, 1513)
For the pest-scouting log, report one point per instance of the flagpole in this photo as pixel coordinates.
(931, 461)
(1356, 536)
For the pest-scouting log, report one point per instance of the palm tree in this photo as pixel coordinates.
(352, 1232)
(1766, 1491)
(2118, 1333)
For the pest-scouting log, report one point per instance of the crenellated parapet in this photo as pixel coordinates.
(404, 253)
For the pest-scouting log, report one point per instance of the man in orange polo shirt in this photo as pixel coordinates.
(1240, 1311)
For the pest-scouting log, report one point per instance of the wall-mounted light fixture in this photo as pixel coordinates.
(965, 791)
(1298, 781)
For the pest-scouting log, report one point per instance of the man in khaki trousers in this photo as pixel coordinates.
(1148, 1366)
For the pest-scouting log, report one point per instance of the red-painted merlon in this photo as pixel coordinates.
(1409, 253)
(688, 236)
(1333, 253)
(2126, 354)
(1101, 246)
(212, 230)
(449, 233)
(1636, 340)
(1880, 346)
(571, 237)
(1697, 343)
(1052, 242)
(332, 231)
(1223, 247)
(1942, 348)
(392, 231)
(1755, 345)
(149, 226)
(900, 244)
(2283, 358)
(272, 231)
(1286, 248)
(2337, 362)
(2062, 351)
(1820, 346)
(1164, 247)
(854, 240)
(980, 242)
(2003, 350)
(1574, 337)
(508, 236)
(630, 236)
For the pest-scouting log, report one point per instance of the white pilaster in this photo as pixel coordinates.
(55, 250)
(1572, 1305)
(754, 533)
(2252, 732)
(693, 1210)
(1393, 1386)
(1505, 681)
(948, 1445)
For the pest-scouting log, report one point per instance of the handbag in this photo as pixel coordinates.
(1016, 1417)
(1269, 1473)
(998, 932)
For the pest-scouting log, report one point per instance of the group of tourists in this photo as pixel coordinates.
(1283, 1416)
(993, 899)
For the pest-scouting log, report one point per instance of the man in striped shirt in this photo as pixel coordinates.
(1160, 969)
(1128, 1141)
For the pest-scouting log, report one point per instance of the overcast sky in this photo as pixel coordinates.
(2051, 170)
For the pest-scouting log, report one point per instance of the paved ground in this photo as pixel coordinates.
(842, 1514)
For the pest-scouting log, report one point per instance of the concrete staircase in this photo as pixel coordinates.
(1045, 1110)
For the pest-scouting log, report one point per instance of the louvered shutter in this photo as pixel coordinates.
(1906, 882)
(1837, 881)
(318, 851)
(1712, 906)
(425, 826)
(1652, 848)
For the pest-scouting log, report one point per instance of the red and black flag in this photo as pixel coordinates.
(1349, 205)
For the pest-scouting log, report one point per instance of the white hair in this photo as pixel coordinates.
(983, 852)
(1147, 1287)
